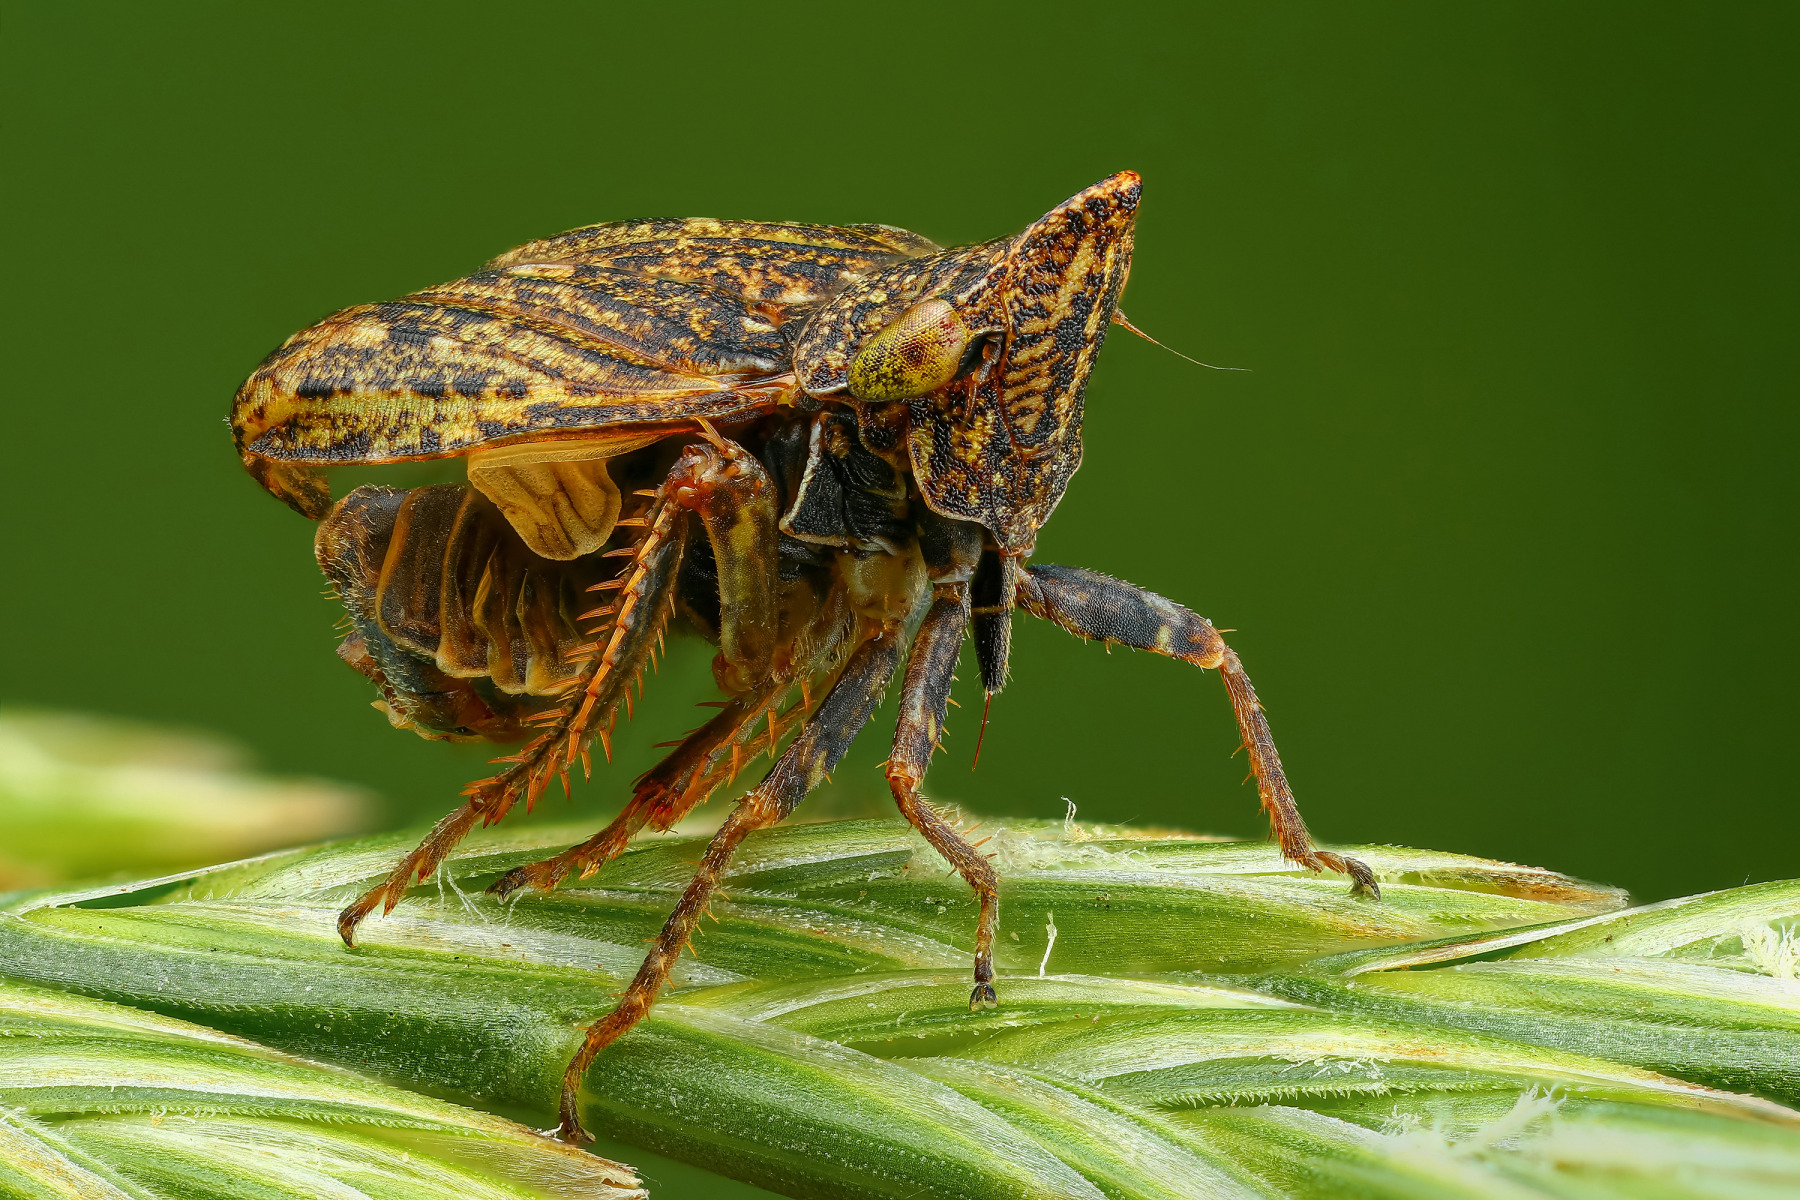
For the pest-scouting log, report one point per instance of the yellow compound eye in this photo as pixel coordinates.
(918, 353)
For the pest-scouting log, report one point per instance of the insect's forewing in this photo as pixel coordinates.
(622, 324)
(764, 262)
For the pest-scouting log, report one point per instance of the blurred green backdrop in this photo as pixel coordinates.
(1503, 512)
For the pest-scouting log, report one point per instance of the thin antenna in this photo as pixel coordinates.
(1119, 318)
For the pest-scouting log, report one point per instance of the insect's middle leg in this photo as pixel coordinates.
(661, 798)
(827, 735)
(1091, 605)
(923, 698)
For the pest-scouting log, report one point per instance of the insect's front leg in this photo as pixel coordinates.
(737, 507)
(952, 550)
(1091, 605)
(642, 599)
(827, 735)
(922, 703)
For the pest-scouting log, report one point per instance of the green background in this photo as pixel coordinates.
(1502, 512)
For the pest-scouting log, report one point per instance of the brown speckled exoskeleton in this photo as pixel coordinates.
(828, 449)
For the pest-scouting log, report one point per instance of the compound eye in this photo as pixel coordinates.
(919, 352)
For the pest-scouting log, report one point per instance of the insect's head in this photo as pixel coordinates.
(989, 348)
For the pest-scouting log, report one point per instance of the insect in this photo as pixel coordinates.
(829, 449)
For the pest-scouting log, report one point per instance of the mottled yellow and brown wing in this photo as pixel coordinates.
(505, 355)
(634, 323)
(763, 261)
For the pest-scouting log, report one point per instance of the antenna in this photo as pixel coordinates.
(1119, 318)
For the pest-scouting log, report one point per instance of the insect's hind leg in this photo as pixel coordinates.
(644, 593)
(827, 735)
(666, 794)
(734, 499)
(1091, 605)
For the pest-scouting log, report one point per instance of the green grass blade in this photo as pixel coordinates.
(38, 1163)
(1124, 1150)
(100, 1100)
(789, 1111)
(1702, 987)
(1750, 928)
(820, 1042)
(1709, 1024)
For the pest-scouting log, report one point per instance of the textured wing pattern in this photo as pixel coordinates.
(630, 323)
(762, 261)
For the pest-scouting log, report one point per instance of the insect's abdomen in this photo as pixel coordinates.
(464, 629)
